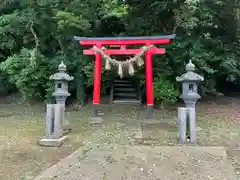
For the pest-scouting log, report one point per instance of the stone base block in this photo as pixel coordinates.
(96, 120)
(236, 148)
(67, 127)
(100, 114)
(52, 142)
(150, 121)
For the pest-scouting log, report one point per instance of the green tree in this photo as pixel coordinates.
(205, 34)
(35, 36)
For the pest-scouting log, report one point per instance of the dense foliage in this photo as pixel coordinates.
(36, 35)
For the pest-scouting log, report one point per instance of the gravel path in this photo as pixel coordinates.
(108, 156)
(144, 163)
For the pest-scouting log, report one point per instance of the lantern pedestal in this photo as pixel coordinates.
(61, 97)
(54, 134)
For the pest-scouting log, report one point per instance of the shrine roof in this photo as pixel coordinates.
(172, 36)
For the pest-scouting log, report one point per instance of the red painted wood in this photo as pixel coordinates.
(124, 42)
(149, 79)
(97, 78)
(125, 51)
(123, 47)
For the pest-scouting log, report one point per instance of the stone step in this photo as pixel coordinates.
(123, 81)
(126, 101)
(124, 89)
(235, 158)
(123, 85)
(124, 92)
(134, 95)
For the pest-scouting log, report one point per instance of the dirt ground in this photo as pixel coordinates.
(21, 126)
(110, 162)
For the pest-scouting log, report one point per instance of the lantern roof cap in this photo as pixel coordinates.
(190, 66)
(190, 75)
(61, 75)
(62, 67)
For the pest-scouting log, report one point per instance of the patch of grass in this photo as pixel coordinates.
(19, 152)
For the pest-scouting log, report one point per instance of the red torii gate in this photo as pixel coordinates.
(99, 42)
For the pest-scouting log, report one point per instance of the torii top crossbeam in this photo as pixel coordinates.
(122, 42)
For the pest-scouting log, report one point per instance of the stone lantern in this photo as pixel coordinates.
(187, 115)
(61, 79)
(190, 81)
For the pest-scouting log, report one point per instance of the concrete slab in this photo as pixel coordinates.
(67, 127)
(235, 158)
(141, 163)
(134, 131)
(161, 131)
(96, 120)
(150, 121)
(52, 142)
